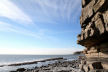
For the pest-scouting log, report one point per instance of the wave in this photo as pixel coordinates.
(32, 62)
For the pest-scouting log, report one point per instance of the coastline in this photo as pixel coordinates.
(34, 62)
(61, 65)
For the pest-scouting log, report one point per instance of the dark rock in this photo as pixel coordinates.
(13, 71)
(21, 69)
(97, 65)
(64, 71)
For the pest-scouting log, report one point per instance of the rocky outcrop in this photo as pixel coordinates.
(94, 35)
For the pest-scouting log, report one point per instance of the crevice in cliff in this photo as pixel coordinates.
(104, 7)
(87, 21)
(101, 16)
(86, 2)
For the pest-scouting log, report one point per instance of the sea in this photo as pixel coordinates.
(12, 59)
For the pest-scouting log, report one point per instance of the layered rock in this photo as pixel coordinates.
(94, 35)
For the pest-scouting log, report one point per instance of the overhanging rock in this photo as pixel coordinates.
(94, 35)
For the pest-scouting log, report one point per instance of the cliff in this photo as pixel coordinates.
(94, 35)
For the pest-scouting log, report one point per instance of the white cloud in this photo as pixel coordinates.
(11, 11)
(39, 34)
(51, 11)
(11, 28)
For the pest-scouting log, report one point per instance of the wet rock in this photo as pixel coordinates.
(21, 70)
(13, 71)
(64, 71)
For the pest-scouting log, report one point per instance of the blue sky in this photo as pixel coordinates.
(39, 26)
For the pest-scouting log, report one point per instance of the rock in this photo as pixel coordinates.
(96, 65)
(81, 58)
(13, 71)
(103, 55)
(65, 66)
(85, 2)
(94, 35)
(87, 12)
(99, 25)
(79, 37)
(64, 71)
(86, 68)
(93, 22)
(46, 68)
(81, 67)
(98, 5)
(21, 69)
(105, 16)
(97, 71)
(104, 50)
(104, 45)
(83, 62)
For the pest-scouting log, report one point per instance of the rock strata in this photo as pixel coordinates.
(94, 35)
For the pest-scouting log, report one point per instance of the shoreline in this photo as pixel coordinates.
(32, 62)
(58, 66)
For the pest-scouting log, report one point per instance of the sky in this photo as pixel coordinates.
(39, 26)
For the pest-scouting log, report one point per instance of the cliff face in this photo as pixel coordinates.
(94, 35)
